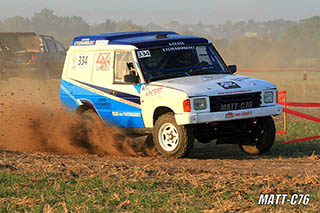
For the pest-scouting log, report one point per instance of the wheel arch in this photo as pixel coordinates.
(86, 105)
(160, 111)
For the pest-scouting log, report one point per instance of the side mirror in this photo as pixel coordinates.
(130, 65)
(232, 68)
(131, 79)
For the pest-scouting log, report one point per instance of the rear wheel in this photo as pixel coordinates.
(89, 115)
(170, 139)
(258, 136)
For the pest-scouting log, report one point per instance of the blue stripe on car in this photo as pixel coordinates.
(124, 115)
(126, 96)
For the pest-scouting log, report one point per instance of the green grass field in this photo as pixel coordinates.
(54, 192)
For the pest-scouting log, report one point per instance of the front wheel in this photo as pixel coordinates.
(170, 139)
(258, 136)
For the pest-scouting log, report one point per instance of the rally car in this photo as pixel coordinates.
(175, 88)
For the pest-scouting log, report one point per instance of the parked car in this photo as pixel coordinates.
(174, 88)
(30, 54)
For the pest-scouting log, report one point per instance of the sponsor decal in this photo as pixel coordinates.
(151, 92)
(83, 42)
(144, 54)
(229, 115)
(102, 105)
(127, 114)
(240, 79)
(179, 43)
(169, 49)
(238, 114)
(210, 78)
(228, 85)
(234, 92)
(103, 61)
(102, 42)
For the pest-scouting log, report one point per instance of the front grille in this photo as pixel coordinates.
(235, 102)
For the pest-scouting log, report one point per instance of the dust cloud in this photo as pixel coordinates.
(32, 120)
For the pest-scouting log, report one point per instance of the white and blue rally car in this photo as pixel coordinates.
(174, 87)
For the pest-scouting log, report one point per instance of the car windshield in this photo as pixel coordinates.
(179, 61)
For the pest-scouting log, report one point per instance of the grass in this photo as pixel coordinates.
(47, 191)
(59, 193)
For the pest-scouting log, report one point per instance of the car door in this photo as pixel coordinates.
(102, 75)
(126, 108)
(53, 54)
(61, 54)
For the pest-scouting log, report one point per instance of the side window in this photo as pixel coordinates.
(51, 46)
(60, 48)
(203, 54)
(124, 65)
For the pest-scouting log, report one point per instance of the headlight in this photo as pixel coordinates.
(199, 103)
(268, 97)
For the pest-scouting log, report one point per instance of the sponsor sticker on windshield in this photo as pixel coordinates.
(169, 49)
(144, 54)
(84, 42)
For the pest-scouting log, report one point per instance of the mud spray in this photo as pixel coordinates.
(32, 120)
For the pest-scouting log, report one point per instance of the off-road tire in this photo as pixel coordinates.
(264, 139)
(185, 135)
(89, 115)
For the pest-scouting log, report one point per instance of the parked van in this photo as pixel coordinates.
(174, 87)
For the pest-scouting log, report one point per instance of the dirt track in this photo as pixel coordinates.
(33, 121)
(200, 162)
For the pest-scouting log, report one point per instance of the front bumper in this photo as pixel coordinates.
(207, 117)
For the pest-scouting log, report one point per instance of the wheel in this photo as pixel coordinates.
(170, 139)
(89, 115)
(259, 136)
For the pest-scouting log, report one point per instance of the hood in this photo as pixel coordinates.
(221, 84)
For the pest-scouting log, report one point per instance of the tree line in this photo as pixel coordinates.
(272, 44)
